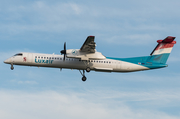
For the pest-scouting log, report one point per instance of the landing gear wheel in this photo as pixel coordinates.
(84, 78)
(88, 69)
(83, 75)
(12, 68)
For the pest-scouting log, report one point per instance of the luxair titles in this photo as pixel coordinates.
(43, 61)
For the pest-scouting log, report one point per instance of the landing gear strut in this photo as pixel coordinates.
(83, 74)
(12, 67)
(87, 66)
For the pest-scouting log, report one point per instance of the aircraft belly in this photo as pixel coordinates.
(68, 64)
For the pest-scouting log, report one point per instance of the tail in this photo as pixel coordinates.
(162, 51)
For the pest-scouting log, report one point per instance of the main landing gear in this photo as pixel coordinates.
(83, 74)
(87, 66)
(88, 69)
(12, 67)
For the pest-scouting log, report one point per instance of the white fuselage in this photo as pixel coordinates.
(56, 61)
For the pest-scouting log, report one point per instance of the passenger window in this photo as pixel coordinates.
(44, 57)
(52, 57)
(47, 57)
(35, 56)
(39, 57)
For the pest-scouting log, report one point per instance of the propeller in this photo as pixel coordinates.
(64, 51)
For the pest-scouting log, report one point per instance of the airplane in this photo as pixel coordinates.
(87, 58)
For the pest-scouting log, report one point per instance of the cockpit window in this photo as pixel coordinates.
(19, 54)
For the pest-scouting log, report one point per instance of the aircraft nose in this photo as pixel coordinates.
(7, 61)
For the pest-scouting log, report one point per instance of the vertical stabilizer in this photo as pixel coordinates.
(162, 51)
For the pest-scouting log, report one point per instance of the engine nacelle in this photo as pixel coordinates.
(76, 53)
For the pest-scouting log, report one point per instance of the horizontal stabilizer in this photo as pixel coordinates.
(169, 39)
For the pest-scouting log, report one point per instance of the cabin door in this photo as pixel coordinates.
(30, 58)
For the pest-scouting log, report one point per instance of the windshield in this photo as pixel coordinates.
(19, 54)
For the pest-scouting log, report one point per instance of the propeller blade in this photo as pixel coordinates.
(65, 46)
(64, 51)
(64, 57)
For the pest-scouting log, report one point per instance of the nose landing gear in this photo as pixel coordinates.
(12, 67)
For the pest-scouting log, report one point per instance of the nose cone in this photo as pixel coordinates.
(7, 61)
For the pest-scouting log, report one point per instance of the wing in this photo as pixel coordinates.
(89, 45)
(86, 52)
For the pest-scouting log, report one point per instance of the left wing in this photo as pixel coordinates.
(89, 45)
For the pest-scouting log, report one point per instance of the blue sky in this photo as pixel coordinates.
(122, 29)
